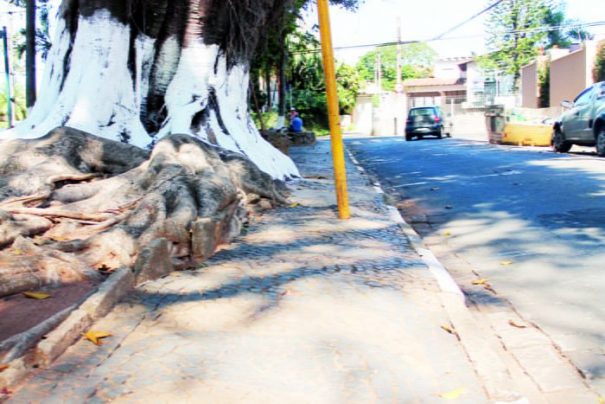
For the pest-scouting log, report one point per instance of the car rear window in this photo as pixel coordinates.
(422, 112)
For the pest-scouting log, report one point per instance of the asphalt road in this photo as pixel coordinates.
(530, 221)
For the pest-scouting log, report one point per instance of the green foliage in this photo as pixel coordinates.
(308, 86)
(516, 33)
(599, 68)
(19, 109)
(348, 82)
(416, 60)
(43, 43)
(544, 84)
(512, 39)
(562, 38)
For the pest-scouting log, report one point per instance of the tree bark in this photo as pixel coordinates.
(283, 86)
(136, 72)
(30, 53)
(163, 84)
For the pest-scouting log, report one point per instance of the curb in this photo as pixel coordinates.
(488, 365)
(443, 277)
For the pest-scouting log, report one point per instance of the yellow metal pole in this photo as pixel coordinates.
(338, 156)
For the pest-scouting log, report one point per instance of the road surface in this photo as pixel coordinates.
(529, 221)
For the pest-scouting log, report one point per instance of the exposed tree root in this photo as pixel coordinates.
(72, 204)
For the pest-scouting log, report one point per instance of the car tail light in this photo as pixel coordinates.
(437, 119)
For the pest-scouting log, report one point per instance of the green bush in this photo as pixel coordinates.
(599, 68)
(544, 84)
(19, 109)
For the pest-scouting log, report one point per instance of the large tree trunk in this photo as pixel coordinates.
(136, 71)
(171, 79)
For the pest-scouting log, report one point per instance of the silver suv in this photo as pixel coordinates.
(584, 121)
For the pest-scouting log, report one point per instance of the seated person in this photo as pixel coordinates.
(296, 124)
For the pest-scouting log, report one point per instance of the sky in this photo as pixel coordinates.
(376, 22)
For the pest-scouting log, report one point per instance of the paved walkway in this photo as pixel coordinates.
(302, 308)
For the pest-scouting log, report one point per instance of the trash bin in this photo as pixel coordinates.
(495, 121)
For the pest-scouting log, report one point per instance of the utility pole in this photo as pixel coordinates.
(379, 70)
(30, 53)
(340, 174)
(399, 51)
(9, 96)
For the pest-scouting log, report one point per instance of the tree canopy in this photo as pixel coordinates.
(518, 29)
(513, 34)
(599, 69)
(416, 61)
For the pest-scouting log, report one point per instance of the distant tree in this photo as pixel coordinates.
(308, 85)
(544, 84)
(417, 61)
(273, 58)
(599, 68)
(514, 35)
(561, 35)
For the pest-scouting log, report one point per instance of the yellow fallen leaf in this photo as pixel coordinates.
(480, 282)
(448, 329)
(96, 336)
(506, 263)
(601, 400)
(447, 233)
(3, 367)
(17, 252)
(452, 395)
(294, 205)
(36, 295)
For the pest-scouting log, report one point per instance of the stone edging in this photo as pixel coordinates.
(488, 365)
(43, 348)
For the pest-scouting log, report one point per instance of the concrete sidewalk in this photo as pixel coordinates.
(302, 308)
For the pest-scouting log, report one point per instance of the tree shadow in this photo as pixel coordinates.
(542, 212)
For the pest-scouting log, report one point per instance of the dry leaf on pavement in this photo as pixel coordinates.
(294, 205)
(448, 329)
(96, 336)
(36, 295)
(506, 263)
(3, 367)
(489, 288)
(480, 282)
(447, 233)
(452, 395)
(516, 325)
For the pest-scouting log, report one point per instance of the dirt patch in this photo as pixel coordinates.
(19, 313)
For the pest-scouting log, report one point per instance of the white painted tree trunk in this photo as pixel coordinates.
(98, 79)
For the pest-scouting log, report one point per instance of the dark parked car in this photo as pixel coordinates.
(425, 121)
(584, 121)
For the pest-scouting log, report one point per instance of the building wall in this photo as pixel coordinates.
(475, 85)
(386, 118)
(446, 69)
(571, 74)
(362, 115)
(529, 86)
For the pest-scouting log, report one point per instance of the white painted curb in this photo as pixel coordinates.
(443, 277)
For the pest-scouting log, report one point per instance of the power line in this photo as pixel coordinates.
(471, 18)
(525, 31)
